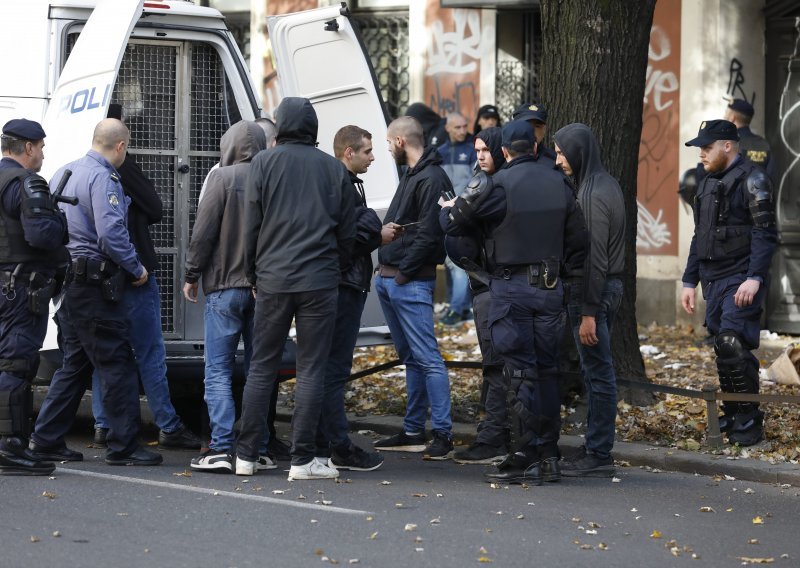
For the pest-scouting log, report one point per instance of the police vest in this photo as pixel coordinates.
(533, 228)
(13, 246)
(755, 150)
(722, 233)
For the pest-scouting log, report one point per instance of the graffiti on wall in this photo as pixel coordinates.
(455, 45)
(658, 155)
(736, 79)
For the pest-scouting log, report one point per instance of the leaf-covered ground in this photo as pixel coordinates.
(673, 356)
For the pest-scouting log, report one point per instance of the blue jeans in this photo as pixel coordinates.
(409, 315)
(460, 297)
(597, 365)
(333, 425)
(143, 306)
(228, 318)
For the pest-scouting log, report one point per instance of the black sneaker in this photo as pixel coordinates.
(440, 447)
(747, 429)
(139, 456)
(16, 459)
(215, 461)
(279, 449)
(590, 465)
(402, 442)
(100, 437)
(480, 454)
(356, 460)
(182, 439)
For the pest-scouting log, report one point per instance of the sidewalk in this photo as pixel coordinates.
(636, 454)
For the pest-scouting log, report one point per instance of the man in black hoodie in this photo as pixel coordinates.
(412, 247)
(595, 293)
(353, 147)
(300, 224)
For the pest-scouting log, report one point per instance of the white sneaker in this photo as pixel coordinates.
(244, 467)
(265, 462)
(314, 469)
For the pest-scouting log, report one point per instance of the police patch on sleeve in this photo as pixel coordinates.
(113, 200)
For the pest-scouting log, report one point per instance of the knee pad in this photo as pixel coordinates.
(727, 345)
(15, 411)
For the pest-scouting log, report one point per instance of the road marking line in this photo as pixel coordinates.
(215, 492)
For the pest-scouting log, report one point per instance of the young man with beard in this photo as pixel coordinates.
(412, 246)
(594, 292)
(353, 147)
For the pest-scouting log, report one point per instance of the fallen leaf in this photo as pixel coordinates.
(436, 521)
(484, 559)
(410, 527)
(278, 491)
(749, 491)
(758, 521)
(602, 546)
(50, 495)
(586, 547)
(752, 541)
(616, 480)
(56, 534)
(655, 534)
(384, 482)
(353, 561)
(419, 494)
(184, 473)
(707, 510)
(373, 536)
(34, 539)
(750, 560)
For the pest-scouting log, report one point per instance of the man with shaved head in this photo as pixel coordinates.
(412, 245)
(92, 318)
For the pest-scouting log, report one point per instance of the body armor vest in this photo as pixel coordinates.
(721, 233)
(13, 246)
(755, 150)
(533, 228)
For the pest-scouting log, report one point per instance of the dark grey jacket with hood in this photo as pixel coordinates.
(216, 250)
(601, 200)
(300, 209)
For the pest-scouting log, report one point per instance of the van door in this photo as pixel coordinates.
(85, 86)
(320, 56)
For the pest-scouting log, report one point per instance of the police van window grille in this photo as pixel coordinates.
(159, 169)
(146, 89)
(214, 107)
(166, 276)
(386, 40)
(200, 168)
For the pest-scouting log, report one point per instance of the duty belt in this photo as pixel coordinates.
(540, 275)
(90, 271)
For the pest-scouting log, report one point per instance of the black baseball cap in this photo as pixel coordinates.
(488, 110)
(23, 129)
(713, 130)
(517, 131)
(742, 106)
(530, 111)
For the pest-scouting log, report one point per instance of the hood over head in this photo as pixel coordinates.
(241, 142)
(580, 148)
(426, 116)
(493, 137)
(297, 122)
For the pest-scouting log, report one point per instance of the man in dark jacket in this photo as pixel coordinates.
(412, 247)
(299, 227)
(216, 253)
(595, 293)
(731, 250)
(353, 147)
(143, 304)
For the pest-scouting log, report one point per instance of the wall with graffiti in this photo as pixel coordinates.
(456, 42)
(658, 152)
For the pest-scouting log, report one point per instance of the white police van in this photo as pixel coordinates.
(181, 80)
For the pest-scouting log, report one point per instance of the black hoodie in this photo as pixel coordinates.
(600, 197)
(301, 209)
(493, 138)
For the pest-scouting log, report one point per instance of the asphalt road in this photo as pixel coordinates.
(408, 513)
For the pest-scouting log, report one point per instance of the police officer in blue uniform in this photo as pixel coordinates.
(92, 319)
(730, 253)
(533, 225)
(752, 147)
(32, 237)
(536, 115)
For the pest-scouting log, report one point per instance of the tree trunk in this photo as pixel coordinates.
(593, 69)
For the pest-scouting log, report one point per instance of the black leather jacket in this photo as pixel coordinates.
(358, 272)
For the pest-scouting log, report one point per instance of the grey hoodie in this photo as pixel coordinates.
(216, 250)
(601, 200)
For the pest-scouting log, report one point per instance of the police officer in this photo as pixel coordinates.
(32, 234)
(92, 320)
(533, 225)
(734, 239)
(752, 147)
(536, 115)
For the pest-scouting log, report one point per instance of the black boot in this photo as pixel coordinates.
(16, 459)
(748, 428)
(517, 468)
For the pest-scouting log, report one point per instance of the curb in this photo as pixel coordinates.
(637, 454)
